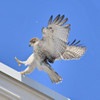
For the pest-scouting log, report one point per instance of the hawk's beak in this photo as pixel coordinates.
(29, 44)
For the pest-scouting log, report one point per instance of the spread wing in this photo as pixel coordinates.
(55, 36)
(73, 51)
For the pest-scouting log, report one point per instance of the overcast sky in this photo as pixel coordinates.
(20, 20)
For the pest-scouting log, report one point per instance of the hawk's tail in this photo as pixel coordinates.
(55, 77)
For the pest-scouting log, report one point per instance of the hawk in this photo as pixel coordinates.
(53, 46)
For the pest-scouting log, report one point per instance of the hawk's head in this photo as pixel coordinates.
(33, 41)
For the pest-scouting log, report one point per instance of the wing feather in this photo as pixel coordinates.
(73, 42)
(50, 20)
(73, 52)
(60, 19)
(55, 37)
(63, 22)
(56, 19)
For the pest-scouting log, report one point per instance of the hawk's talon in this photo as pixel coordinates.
(22, 73)
(19, 62)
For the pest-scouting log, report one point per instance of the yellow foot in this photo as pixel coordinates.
(22, 72)
(19, 62)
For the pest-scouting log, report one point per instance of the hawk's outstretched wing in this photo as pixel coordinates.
(55, 36)
(73, 51)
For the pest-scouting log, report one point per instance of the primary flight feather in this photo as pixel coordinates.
(53, 46)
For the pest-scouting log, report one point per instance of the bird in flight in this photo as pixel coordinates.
(53, 46)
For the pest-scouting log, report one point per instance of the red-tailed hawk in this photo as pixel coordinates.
(53, 46)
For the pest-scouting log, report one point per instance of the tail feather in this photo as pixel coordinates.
(55, 77)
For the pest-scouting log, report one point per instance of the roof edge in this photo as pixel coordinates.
(31, 83)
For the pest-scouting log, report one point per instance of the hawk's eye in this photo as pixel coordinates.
(33, 41)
